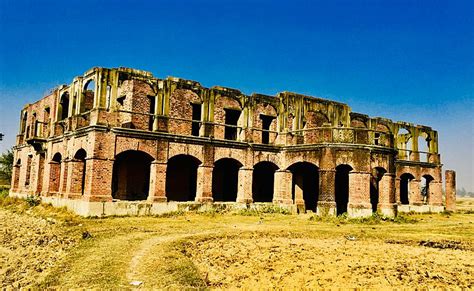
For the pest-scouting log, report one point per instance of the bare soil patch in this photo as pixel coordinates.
(30, 247)
(252, 261)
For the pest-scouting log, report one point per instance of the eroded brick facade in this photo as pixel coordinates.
(117, 135)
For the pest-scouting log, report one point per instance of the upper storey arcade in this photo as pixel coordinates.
(134, 102)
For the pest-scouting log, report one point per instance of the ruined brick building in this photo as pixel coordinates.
(120, 141)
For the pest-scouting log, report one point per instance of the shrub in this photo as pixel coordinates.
(33, 200)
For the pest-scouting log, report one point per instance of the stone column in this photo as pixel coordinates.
(204, 184)
(157, 191)
(387, 201)
(359, 194)
(415, 197)
(282, 187)
(450, 177)
(327, 193)
(98, 180)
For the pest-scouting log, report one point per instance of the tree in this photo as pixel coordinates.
(6, 166)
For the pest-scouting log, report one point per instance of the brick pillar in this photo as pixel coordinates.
(450, 177)
(327, 192)
(157, 191)
(64, 179)
(387, 200)
(359, 194)
(98, 180)
(397, 191)
(204, 184)
(54, 174)
(415, 197)
(15, 178)
(435, 197)
(282, 187)
(244, 191)
(75, 178)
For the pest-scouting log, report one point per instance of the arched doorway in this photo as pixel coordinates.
(376, 176)
(181, 178)
(305, 184)
(131, 175)
(55, 173)
(225, 179)
(263, 178)
(342, 188)
(405, 188)
(425, 188)
(79, 172)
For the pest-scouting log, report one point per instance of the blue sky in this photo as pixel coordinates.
(404, 60)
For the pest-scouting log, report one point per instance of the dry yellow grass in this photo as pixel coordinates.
(236, 251)
(465, 203)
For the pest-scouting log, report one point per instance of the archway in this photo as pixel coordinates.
(225, 179)
(424, 146)
(131, 175)
(342, 188)
(376, 176)
(405, 188)
(181, 178)
(425, 188)
(404, 144)
(55, 173)
(79, 172)
(263, 178)
(87, 101)
(305, 184)
(63, 108)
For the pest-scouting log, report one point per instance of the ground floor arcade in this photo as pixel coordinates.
(328, 181)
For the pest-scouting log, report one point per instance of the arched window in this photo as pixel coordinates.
(424, 146)
(404, 144)
(63, 108)
(88, 95)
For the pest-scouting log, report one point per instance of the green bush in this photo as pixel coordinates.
(33, 200)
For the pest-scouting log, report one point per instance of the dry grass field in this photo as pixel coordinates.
(45, 247)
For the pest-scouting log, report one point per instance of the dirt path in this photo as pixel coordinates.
(136, 272)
